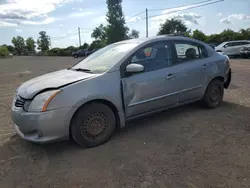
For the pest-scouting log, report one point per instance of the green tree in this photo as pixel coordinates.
(30, 45)
(4, 51)
(96, 44)
(116, 29)
(99, 33)
(84, 46)
(10, 48)
(199, 35)
(134, 34)
(43, 41)
(19, 45)
(173, 26)
(243, 34)
(227, 35)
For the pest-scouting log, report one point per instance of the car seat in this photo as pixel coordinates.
(190, 54)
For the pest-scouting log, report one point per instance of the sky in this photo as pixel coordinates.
(61, 18)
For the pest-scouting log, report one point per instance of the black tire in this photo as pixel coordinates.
(76, 56)
(214, 94)
(93, 125)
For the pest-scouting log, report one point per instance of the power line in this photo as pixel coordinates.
(178, 10)
(66, 36)
(186, 9)
(138, 20)
(135, 16)
(86, 28)
(180, 6)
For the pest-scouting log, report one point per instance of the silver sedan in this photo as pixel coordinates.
(120, 82)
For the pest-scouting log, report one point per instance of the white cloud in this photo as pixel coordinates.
(100, 20)
(188, 18)
(24, 10)
(7, 24)
(73, 37)
(80, 14)
(234, 17)
(61, 25)
(43, 22)
(133, 19)
(220, 14)
(19, 30)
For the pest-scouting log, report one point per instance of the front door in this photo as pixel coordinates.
(154, 88)
(231, 48)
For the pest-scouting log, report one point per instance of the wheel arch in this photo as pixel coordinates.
(221, 78)
(103, 101)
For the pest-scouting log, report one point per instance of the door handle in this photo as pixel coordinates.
(170, 76)
(204, 66)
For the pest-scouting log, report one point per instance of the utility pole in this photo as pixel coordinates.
(79, 33)
(146, 22)
(50, 42)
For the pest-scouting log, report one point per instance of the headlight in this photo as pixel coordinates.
(41, 101)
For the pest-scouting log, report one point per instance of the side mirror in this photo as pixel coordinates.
(134, 68)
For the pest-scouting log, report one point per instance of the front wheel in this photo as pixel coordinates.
(214, 94)
(93, 125)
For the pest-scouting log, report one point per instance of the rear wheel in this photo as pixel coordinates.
(93, 125)
(214, 94)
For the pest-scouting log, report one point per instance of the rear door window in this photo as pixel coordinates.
(189, 51)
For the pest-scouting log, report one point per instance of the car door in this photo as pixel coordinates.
(192, 61)
(154, 88)
(229, 48)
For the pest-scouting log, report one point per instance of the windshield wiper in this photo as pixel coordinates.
(82, 70)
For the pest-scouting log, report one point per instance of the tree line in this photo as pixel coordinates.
(26, 47)
(116, 30)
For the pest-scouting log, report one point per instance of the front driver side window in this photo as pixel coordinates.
(153, 57)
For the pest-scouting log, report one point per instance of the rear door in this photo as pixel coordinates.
(240, 46)
(193, 62)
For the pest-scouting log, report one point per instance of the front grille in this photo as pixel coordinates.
(19, 102)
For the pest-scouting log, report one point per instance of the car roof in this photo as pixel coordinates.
(157, 38)
(144, 41)
(238, 41)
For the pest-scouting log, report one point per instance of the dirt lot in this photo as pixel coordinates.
(185, 147)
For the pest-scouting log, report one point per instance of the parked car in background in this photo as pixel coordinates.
(120, 82)
(90, 52)
(10, 55)
(212, 45)
(245, 52)
(80, 53)
(232, 48)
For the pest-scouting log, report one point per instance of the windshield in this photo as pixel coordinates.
(222, 44)
(101, 60)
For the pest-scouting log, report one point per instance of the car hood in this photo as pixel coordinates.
(51, 80)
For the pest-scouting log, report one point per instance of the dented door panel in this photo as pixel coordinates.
(147, 92)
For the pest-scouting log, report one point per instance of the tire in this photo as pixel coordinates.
(214, 94)
(76, 56)
(93, 125)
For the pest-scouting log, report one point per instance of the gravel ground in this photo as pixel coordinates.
(185, 147)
